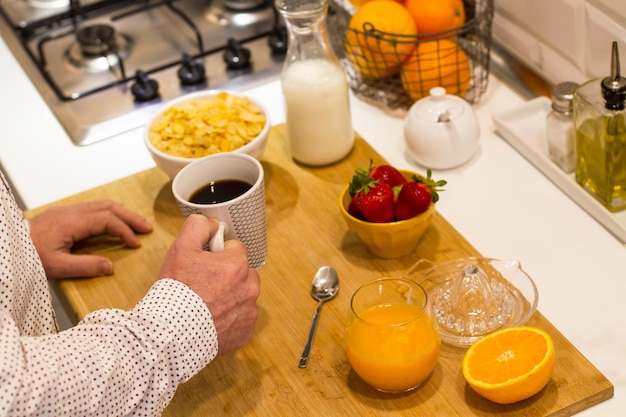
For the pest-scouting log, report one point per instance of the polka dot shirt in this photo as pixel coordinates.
(113, 363)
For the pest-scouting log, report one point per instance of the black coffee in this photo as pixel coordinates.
(219, 191)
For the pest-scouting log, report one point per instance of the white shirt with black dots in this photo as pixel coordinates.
(113, 363)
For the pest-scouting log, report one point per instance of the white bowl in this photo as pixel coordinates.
(171, 164)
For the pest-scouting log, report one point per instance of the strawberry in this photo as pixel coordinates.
(413, 199)
(416, 196)
(353, 210)
(373, 199)
(388, 174)
(376, 204)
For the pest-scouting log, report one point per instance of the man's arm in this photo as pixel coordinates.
(113, 362)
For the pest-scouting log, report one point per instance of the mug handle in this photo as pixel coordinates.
(216, 243)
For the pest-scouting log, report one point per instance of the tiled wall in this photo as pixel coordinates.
(563, 40)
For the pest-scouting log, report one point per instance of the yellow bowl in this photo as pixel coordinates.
(387, 240)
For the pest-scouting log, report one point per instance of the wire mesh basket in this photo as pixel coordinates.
(380, 70)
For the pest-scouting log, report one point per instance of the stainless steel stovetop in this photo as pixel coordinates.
(103, 65)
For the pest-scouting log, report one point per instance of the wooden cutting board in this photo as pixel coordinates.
(305, 231)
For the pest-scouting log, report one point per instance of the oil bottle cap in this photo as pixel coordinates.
(614, 87)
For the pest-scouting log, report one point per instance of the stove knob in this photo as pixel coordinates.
(278, 40)
(191, 72)
(236, 56)
(144, 89)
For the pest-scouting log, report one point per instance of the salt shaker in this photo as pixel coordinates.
(560, 127)
(318, 120)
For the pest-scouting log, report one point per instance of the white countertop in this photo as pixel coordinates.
(503, 205)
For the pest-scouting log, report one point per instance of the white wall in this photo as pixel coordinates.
(563, 40)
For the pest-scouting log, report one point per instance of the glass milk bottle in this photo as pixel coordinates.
(318, 120)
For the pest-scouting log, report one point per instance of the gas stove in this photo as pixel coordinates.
(103, 65)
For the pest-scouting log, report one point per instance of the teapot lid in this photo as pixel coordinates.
(439, 107)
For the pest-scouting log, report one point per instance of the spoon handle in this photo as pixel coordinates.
(304, 359)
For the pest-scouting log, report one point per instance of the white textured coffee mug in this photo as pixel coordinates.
(244, 216)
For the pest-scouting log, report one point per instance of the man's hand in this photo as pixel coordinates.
(228, 286)
(57, 229)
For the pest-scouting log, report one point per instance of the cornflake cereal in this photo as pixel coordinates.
(202, 127)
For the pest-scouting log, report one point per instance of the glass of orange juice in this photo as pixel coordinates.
(392, 341)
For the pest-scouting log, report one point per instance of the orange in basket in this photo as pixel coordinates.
(510, 364)
(432, 16)
(380, 36)
(440, 63)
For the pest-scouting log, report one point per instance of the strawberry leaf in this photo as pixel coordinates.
(432, 185)
(362, 181)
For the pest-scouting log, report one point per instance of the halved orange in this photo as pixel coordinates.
(510, 365)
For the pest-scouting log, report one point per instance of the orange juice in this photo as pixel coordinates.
(393, 347)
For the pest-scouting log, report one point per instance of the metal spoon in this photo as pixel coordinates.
(325, 286)
(444, 116)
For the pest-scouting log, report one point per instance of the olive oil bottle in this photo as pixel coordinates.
(599, 110)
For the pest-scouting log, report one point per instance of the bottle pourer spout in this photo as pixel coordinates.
(615, 62)
(614, 86)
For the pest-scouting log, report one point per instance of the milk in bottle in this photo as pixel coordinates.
(318, 120)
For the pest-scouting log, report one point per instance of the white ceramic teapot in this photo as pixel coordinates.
(441, 131)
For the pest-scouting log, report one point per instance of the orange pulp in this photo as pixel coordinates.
(393, 347)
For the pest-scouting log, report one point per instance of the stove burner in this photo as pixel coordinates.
(98, 48)
(239, 13)
(96, 40)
